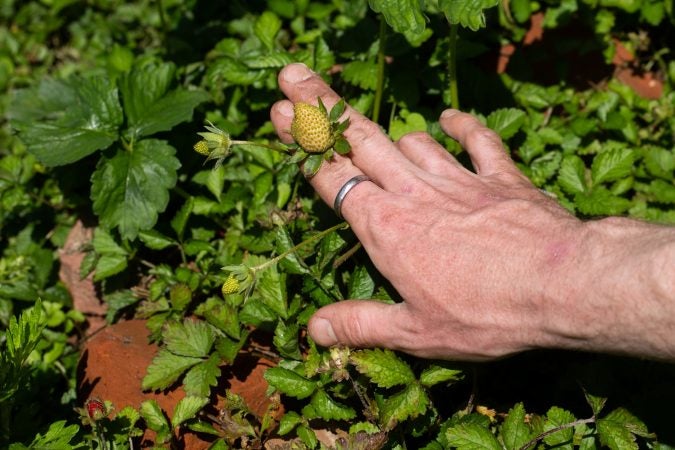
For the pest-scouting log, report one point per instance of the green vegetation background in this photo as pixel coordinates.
(100, 103)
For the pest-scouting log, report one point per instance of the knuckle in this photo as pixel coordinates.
(414, 137)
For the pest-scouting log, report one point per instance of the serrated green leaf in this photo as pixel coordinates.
(191, 338)
(289, 382)
(360, 73)
(220, 315)
(626, 419)
(109, 265)
(612, 165)
(271, 289)
(468, 13)
(155, 240)
(187, 408)
(663, 191)
(601, 201)
(361, 285)
(596, 403)
(408, 123)
(286, 339)
(62, 121)
(571, 176)
(407, 404)
(165, 369)
(57, 437)
(506, 121)
(514, 431)
(155, 420)
(104, 243)
(289, 421)
(130, 189)
(383, 367)
(470, 436)
(266, 28)
(436, 373)
(325, 407)
(555, 417)
(615, 436)
(118, 300)
(199, 380)
(292, 262)
(403, 16)
(149, 104)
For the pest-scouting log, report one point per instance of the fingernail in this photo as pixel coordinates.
(285, 109)
(296, 72)
(449, 113)
(322, 332)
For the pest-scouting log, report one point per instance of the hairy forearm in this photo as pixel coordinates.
(622, 295)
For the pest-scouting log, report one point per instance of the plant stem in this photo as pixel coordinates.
(379, 87)
(276, 148)
(452, 67)
(555, 430)
(293, 249)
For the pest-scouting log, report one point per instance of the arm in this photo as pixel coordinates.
(622, 299)
(487, 264)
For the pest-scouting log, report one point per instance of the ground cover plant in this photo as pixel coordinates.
(213, 236)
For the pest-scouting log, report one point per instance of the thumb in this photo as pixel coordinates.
(361, 323)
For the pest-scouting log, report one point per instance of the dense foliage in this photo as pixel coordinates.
(101, 104)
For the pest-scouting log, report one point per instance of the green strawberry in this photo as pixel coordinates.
(311, 128)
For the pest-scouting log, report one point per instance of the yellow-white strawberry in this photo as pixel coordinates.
(311, 129)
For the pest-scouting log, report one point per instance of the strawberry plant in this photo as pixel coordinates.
(214, 238)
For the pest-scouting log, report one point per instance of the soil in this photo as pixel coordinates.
(547, 54)
(113, 364)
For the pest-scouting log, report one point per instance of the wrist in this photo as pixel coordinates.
(616, 292)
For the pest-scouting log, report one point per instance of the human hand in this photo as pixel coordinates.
(475, 256)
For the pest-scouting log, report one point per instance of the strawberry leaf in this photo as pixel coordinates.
(155, 420)
(468, 13)
(187, 408)
(436, 373)
(62, 121)
(190, 338)
(165, 369)
(289, 382)
(383, 367)
(514, 431)
(199, 380)
(149, 104)
(324, 407)
(407, 404)
(130, 189)
(471, 436)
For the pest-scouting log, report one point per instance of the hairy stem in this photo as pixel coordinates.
(564, 426)
(379, 88)
(452, 67)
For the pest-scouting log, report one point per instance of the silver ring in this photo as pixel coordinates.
(344, 190)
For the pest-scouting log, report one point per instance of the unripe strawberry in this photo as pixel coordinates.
(311, 128)
(230, 286)
(202, 147)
